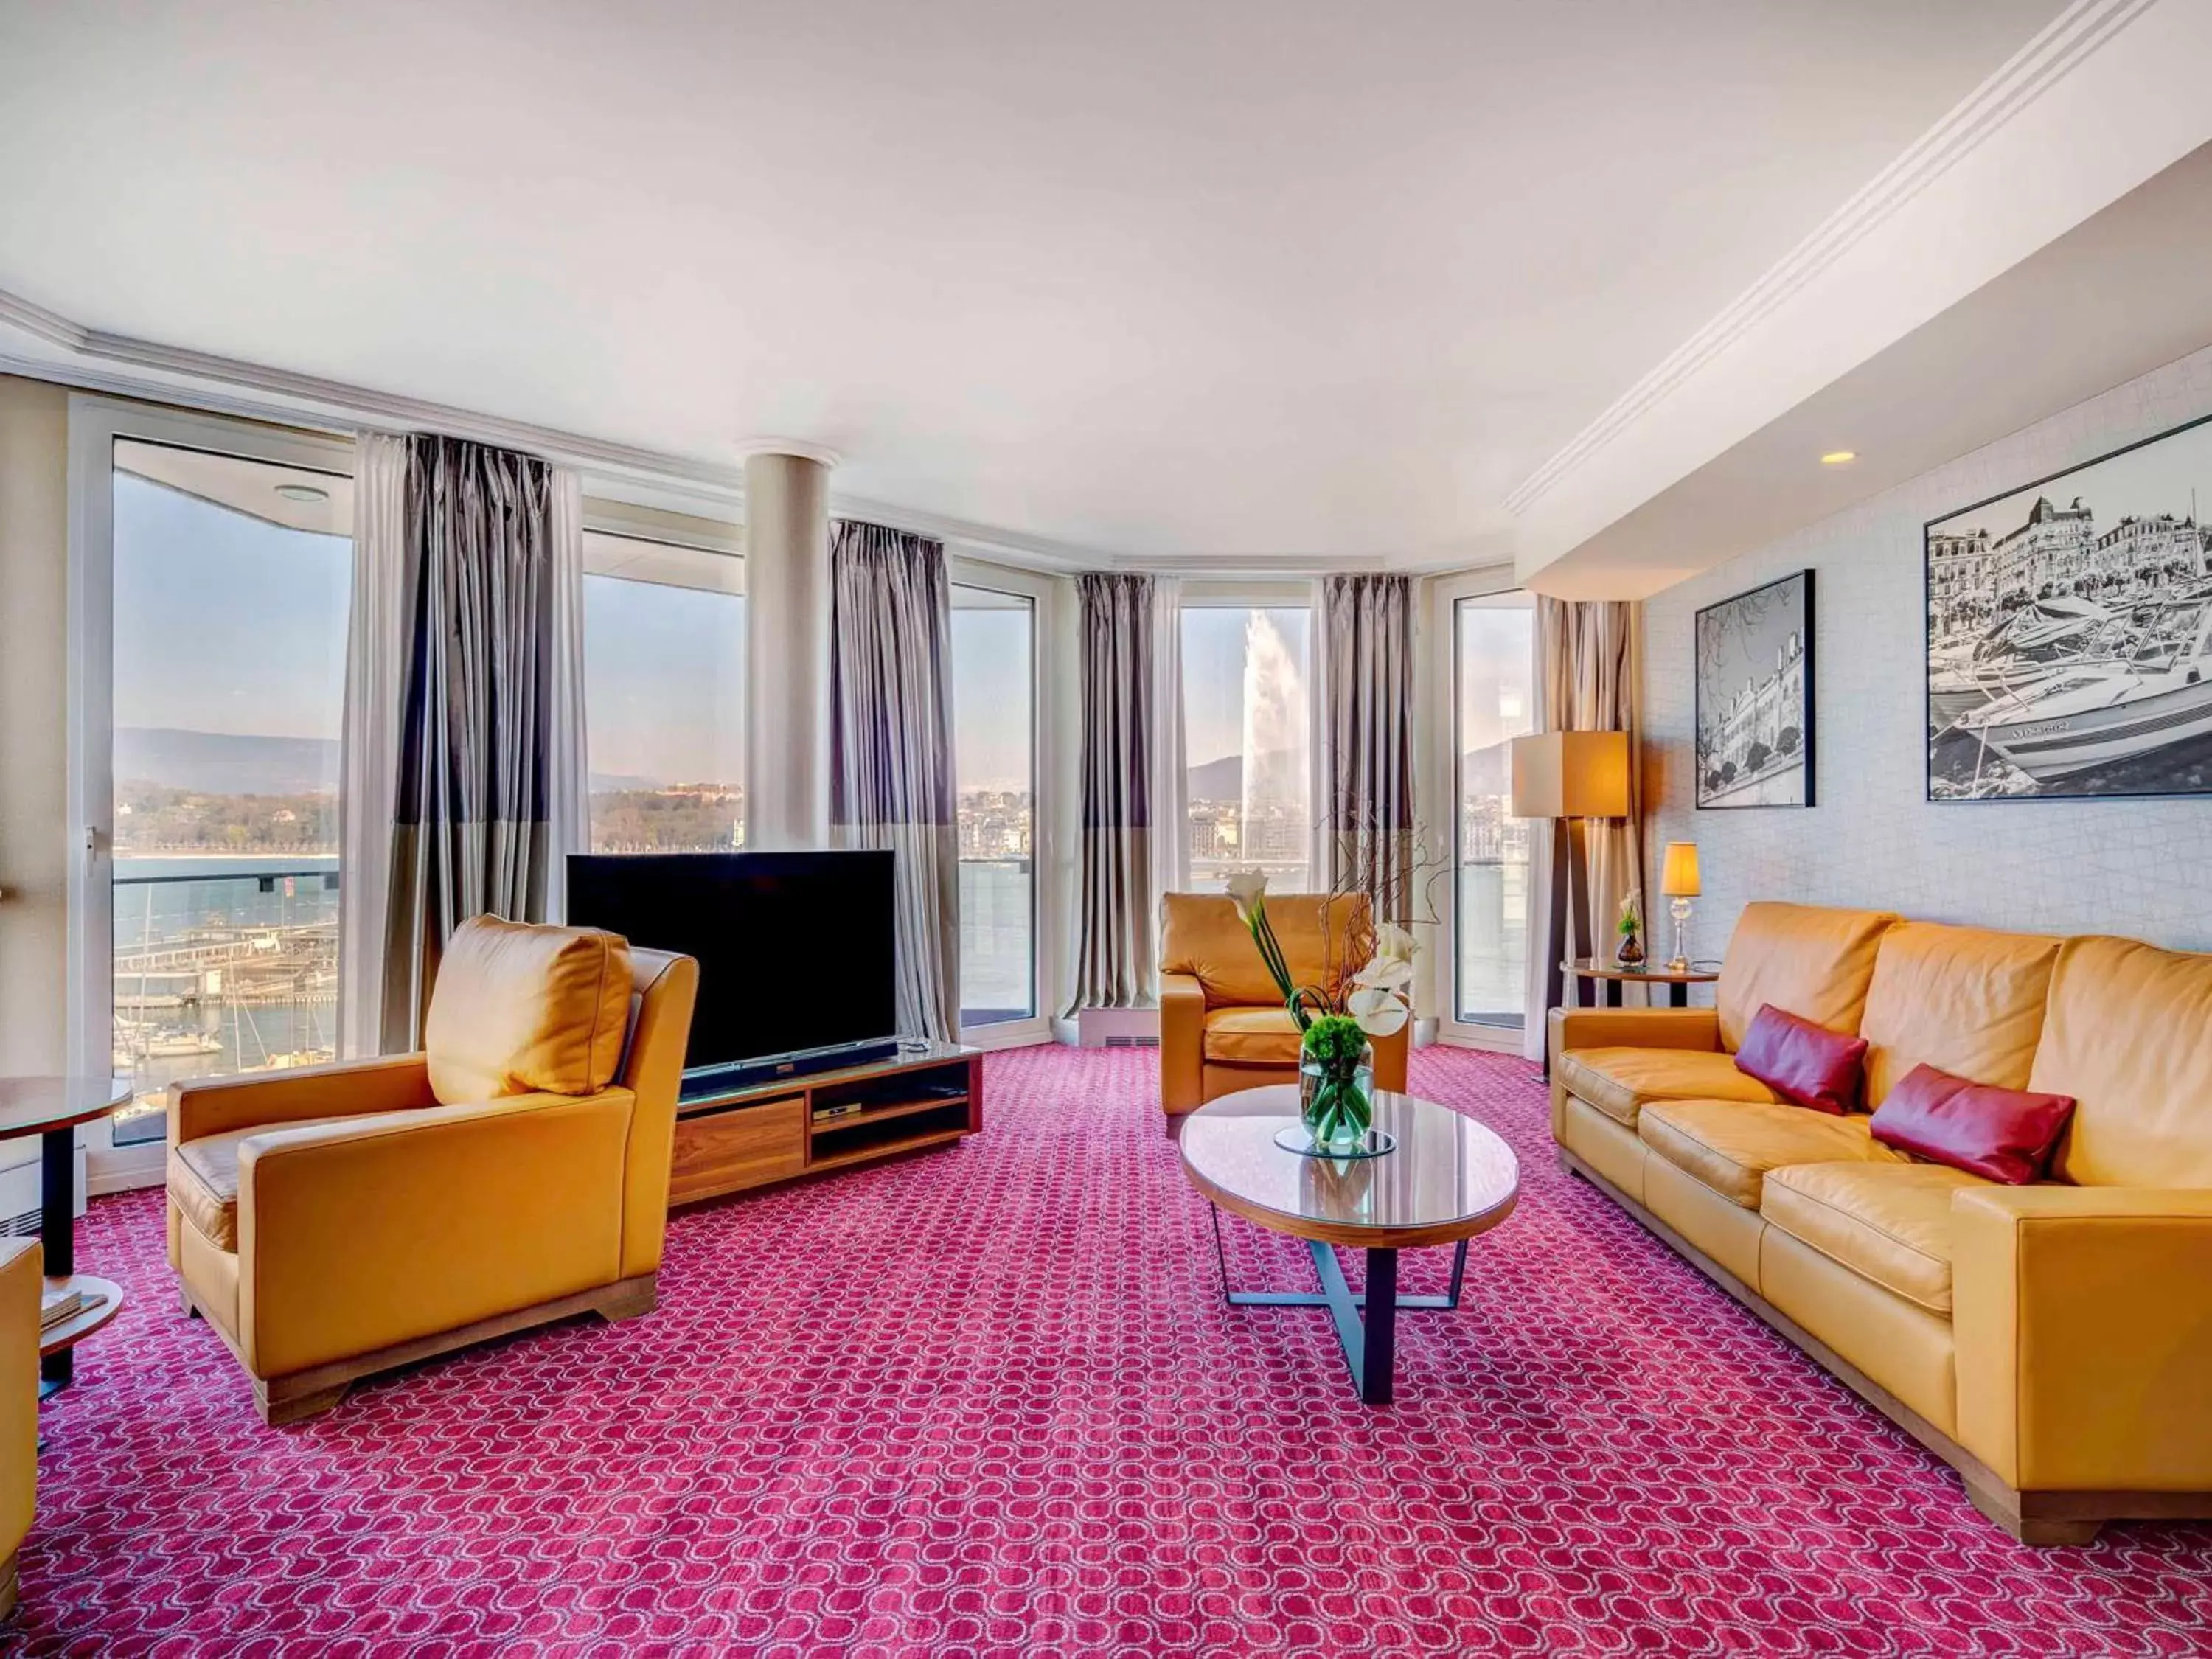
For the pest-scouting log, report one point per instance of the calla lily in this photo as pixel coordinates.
(1395, 942)
(1381, 1013)
(1386, 972)
(1246, 889)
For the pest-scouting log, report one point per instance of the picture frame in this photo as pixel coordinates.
(2068, 633)
(1756, 732)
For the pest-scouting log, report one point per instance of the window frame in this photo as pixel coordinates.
(96, 425)
(1051, 889)
(1443, 750)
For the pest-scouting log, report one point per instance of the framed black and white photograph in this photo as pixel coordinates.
(2069, 633)
(1754, 696)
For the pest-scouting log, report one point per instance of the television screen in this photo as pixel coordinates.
(794, 949)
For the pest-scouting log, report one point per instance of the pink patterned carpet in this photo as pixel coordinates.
(989, 1402)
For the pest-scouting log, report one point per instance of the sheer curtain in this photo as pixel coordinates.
(890, 741)
(1115, 966)
(469, 828)
(1589, 678)
(1171, 837)
(568, 799)
(375, 679)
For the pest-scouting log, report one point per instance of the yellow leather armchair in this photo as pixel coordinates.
(19, 1403)
(341, 1220)
(1223, 1025)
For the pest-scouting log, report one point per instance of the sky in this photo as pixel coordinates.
(1497, 657)
(224, 623)
(2172, 475)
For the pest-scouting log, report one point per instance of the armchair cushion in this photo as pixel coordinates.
(1619, 1082)
(525, 1009)
(203, 1175)
(1251, 1036)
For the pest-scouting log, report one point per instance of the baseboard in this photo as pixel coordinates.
(2044, 1519)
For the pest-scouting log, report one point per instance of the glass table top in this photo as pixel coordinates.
(1450, 1178)
(29, 1105)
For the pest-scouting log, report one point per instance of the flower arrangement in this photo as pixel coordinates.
(1631, 929)
(1335, 1021)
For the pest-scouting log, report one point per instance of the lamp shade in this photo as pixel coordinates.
(1571, 774)
(1678, 878)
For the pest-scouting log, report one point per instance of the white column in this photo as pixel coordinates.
(787, 653)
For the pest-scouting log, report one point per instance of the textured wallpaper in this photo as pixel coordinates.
(2142, 868)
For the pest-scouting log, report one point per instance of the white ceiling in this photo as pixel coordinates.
(1255, 277)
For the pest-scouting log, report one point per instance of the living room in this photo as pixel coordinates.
(1063, 830)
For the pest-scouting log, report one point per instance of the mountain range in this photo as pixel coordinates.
(1485, 771)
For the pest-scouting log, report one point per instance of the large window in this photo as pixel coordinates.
(1493, 672)
(1247, 742)
(664, 696)
(994, 744)
(231, 585)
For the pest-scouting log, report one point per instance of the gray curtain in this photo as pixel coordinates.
(471, 831)
(1113, 952)
(1589, 678)
(1365, 662)
(890, 749)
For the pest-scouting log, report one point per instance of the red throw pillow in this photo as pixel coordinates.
(1807, 1064)
(2000, 1134)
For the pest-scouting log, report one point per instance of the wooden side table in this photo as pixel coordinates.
(51, 1107)
(1611, 977)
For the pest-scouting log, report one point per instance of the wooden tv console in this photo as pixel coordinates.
(793, 1126)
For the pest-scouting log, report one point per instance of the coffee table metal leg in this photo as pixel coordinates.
(57, 1235)
(1379, 1355)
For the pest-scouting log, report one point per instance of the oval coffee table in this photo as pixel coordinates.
(1449, 1179)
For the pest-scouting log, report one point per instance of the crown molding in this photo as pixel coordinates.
(2067, 41)
(119, 365)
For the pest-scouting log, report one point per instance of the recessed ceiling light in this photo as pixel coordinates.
(1839, 458)
(302, 493)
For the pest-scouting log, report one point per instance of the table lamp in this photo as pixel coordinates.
(1571, 776)
(1678, 880)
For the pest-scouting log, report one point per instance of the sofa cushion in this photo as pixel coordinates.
(522, 1010)
(1807, 1064)
(1999, 1134)
(1731, 1144)
(1890, 1223)
(203, 1176)
(1811, 961)
(1965, 999)
(1251, 1036)
(1201, 936)
(2128, 1036)
(1619, 1081)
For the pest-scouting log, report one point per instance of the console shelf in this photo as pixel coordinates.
(758, 1136)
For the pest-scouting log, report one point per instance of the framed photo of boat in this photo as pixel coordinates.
(2069, 633)
(1755, 698)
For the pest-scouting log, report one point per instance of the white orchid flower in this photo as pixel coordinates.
(1247, 889)
(1381, 1013)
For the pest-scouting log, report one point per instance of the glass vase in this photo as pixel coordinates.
(1337, 1104)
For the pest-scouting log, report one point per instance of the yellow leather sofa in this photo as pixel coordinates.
(19, 1403)
(340, 1220)
(1223, 1025)
(2052, 1342)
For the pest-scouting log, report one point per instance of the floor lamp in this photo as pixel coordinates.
(1571, 777)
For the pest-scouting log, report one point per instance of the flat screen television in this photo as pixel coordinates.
(795, 951)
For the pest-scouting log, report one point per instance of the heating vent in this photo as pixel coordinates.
(1123, 1042)
(25, 1225)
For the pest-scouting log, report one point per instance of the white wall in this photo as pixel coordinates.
(34, 839)
(2143, 868)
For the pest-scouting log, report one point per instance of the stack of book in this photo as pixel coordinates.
(60, 1300)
